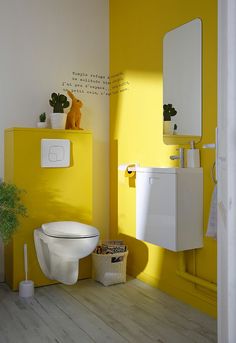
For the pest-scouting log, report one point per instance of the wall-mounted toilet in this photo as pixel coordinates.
(60, 246)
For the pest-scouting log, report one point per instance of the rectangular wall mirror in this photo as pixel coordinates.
(182, 83)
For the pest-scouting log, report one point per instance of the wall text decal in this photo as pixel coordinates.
(96, 84)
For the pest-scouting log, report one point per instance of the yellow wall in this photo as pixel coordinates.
(51, 194)
(136, 35)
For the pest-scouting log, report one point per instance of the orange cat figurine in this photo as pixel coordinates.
(74, 115)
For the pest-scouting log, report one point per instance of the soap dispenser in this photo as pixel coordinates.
(193, 158)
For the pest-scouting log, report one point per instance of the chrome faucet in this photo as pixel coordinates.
(179, 157)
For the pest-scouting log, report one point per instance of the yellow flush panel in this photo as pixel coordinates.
(50, 194)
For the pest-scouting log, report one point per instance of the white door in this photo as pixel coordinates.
(227, 171)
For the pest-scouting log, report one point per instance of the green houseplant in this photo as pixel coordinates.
(168, 112)
(10, 208)
(58, 118)
(58, 102)
(42, 121)
(42, 117)
(175, 129)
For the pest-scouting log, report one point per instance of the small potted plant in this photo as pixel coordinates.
(10, 208)
(168, 112)
(175, 129)
(58, 117)
(42, 121)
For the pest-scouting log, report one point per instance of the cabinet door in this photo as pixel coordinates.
(156, 209)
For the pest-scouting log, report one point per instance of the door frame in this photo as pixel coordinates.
(226, 175)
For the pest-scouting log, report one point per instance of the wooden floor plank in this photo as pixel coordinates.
(20, 324)
(148, 315)
(89, 312)
(168, 310)
(81, 316)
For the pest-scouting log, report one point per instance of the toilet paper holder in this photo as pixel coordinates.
(129, 169)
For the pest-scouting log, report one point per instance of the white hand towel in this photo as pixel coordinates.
(212, 221)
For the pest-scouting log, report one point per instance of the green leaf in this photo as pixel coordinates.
(10, 208)
(66, 104)
(54, 96)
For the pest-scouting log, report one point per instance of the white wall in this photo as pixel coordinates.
(42, 43)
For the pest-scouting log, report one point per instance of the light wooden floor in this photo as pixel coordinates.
(89, 312)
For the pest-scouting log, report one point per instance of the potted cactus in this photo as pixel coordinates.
(175, 129)
(42, 121)
(58, 117)
(168, 112)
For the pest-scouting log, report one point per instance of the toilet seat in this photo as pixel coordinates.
(69, 229)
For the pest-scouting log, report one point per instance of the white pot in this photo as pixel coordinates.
(58, 120)
(167, 128)
(42, 125)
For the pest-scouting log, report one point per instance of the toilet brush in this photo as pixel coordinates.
(26, 287)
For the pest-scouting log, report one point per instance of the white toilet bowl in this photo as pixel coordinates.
(60, 246)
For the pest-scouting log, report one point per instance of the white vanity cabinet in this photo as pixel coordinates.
(169, 207)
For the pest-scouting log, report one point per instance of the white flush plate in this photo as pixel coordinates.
(55, 153)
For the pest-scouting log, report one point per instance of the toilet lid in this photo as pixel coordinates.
(68, 229)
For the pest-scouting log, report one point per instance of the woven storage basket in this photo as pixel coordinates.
(109, 269)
